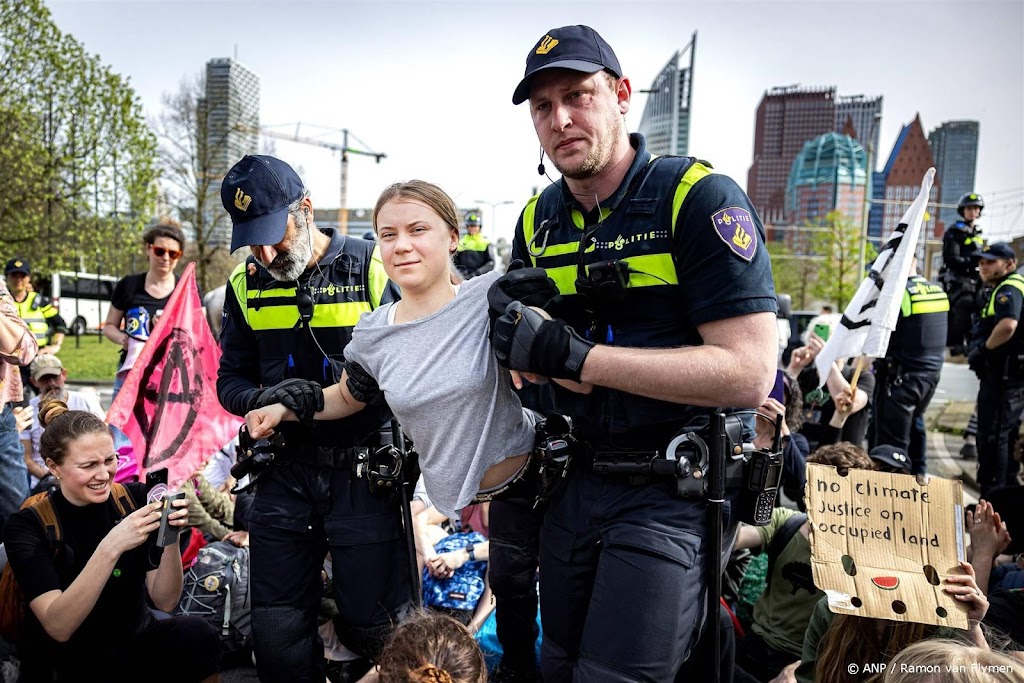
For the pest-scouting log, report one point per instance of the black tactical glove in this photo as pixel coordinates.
(301, 396)
(977, 360)
(524, 340)
(363, 387)
(531, 286)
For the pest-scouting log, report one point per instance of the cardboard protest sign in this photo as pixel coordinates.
(882, 544)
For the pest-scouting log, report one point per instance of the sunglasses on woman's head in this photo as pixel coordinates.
(160, 251)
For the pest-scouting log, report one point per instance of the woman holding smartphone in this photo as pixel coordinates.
(87, 588)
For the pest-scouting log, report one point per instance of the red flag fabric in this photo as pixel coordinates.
(168, 405)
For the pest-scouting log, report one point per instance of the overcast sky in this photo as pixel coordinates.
(430, 83)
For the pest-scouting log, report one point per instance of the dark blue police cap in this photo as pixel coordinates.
(579, 48)
(17, 265)
(996, 250)
(257, 192)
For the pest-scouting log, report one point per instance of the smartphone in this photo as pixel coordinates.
(822, 331)
(779, 390)
(156, 484)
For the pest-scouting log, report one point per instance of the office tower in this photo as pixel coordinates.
(955, 147)
(666, 119)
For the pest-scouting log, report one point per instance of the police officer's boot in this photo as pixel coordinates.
(969, 451)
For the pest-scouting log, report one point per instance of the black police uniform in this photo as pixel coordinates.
(909, 373)
(475, 255)
(1001, 389)
(309, 501)
(959, 276)
(622, 560)
(515, 523)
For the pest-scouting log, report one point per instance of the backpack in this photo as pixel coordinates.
(216, 589)
(12, 601)
(463, 590)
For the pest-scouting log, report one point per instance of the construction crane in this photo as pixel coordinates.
(343, 148)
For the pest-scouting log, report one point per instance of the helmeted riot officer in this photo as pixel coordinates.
(475, 254)
(289, 311)
(959, 274)
(997, 357)
(909, 373)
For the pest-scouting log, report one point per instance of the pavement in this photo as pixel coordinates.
(947, 422)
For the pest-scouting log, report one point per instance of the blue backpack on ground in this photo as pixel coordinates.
(465, 588)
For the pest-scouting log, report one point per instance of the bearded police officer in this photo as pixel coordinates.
(909, 373)
(997, 357)
(667, 309)
(289, 312)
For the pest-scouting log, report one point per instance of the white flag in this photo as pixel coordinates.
(871, 315)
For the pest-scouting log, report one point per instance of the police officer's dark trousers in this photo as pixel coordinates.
(1000, 402)
(622, 580)
(963, 304)
(900, 401)
(515, 536)
(300, 512)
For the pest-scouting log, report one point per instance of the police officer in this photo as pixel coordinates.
(475, 255)
(909, 373)
(668, 308)
(289, 312)
(959, 274)
(997, 357)
(36, 310)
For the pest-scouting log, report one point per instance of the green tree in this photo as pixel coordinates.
(188, 157)
(794, 273)
(839, 274)
(76, 155)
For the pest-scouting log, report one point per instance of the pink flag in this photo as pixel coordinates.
(168, 405)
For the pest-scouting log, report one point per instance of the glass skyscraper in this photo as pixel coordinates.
(955, 147)
(666, 119)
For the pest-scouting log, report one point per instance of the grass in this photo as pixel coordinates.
(91, 360)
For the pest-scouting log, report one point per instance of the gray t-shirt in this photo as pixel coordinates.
(441, 379)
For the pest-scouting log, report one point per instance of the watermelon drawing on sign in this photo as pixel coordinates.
(886, 583)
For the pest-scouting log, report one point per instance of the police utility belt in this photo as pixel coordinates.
(380, 466)
(752, 475)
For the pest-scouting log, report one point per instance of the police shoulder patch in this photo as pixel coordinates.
(735, 227)
(1003, 297)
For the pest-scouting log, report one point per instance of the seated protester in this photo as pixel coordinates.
(795, 448)
(431, 648)
(781, 615)
(822, 425)
(48, 376)
(834, 640)
(209, 510)
(432, 344)
(455, 572)
(989, 537)
(92, 595)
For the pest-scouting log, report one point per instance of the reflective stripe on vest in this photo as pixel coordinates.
(35, 316)
(921, 296)
(645, 270)
(473, 243)
(1014, 280)
(277, 309)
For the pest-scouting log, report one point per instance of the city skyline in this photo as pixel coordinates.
(430, 84)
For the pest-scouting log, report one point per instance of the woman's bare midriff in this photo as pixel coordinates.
(497, 475)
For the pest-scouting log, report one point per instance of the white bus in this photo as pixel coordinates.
(83, 299)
